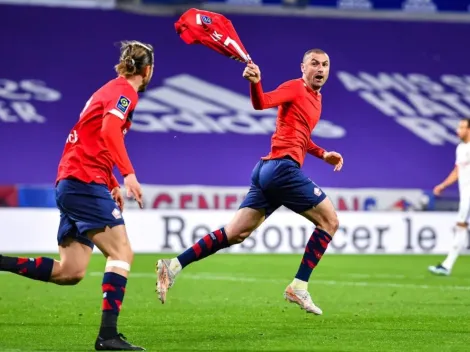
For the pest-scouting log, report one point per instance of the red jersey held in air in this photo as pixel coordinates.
(96, 143)
(298, 114)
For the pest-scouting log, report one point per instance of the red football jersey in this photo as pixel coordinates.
(213, 30)
(299, 112)
(93, 148)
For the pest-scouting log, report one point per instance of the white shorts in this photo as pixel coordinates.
(464, 209)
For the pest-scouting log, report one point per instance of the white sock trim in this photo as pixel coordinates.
(118, 264)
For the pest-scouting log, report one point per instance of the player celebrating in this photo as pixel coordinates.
(461, 172)
(88, 195)
(278, 180)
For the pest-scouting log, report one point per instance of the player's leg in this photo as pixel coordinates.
(39, 268)
(74, 259)
(98, 221)
(251, 214)
(114, 244)
(458, 243)
(74, 253)
(304, 197)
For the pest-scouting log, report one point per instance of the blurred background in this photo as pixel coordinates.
(399, 83)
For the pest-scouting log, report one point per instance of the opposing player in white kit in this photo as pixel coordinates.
(461, 172)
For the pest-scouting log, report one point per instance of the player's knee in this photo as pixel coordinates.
(330, 224)
(70, 277)
(124, 254)
(239, 237)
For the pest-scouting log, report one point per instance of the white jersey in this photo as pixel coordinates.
(462, 160)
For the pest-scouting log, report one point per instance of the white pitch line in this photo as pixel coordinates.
(209, 276)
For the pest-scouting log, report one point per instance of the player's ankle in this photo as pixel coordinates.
(108, 332)
(175, 265)
(297, 284)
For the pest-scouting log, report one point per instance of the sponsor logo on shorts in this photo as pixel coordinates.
(117, 213)
(317, 191)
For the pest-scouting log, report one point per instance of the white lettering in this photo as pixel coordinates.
(5, 114)
(409, 87)
(382, 82)
(27, 112)
(73, 137)
(427, 107)
(8, 89)
(387, 103)
(242, 123)
(425, 83)
(453, 100)
(451, 122)
(431, 131)
(351, 82)
(41, 92)
(185, 122)
(459, 84)
(147, 123)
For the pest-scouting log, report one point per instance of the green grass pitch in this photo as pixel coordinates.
(234, 303)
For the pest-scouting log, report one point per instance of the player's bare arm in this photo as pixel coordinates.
(450, 180)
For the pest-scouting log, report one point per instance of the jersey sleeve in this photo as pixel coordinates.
(285, 93)
(315, 150)
(117, 107)
(114, 183)
(120, 101)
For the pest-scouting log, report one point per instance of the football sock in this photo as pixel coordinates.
(114, 287)
(206, 246)
(34, 268)
(457, 244)
(314, 250)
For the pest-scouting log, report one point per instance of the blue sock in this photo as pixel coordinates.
(206, 246)
(34, 268)
(314, 250)
(114, 287)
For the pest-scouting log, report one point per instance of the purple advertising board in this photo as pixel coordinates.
(394, 97)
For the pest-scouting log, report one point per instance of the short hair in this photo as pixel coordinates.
(316, 51)
(135, 56)
(467, 119)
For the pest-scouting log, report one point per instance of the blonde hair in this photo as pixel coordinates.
(135, 56)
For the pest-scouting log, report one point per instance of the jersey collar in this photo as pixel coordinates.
(310, 90)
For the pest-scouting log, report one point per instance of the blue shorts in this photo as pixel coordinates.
(281, 182)
(84, 207)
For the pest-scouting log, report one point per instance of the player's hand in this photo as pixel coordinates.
(252, 73)
(133, 189)
(334, 158)
(438, 189)
(118, 198)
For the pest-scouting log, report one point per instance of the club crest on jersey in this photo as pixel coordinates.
(123, 104)
(206, 19)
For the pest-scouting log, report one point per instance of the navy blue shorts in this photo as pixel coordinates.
(281, 182)
(84, 207)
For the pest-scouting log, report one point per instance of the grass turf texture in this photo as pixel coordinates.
(235, 303)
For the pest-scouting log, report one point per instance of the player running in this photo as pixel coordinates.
(89, 198)
(461, 172)
(278, 180)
